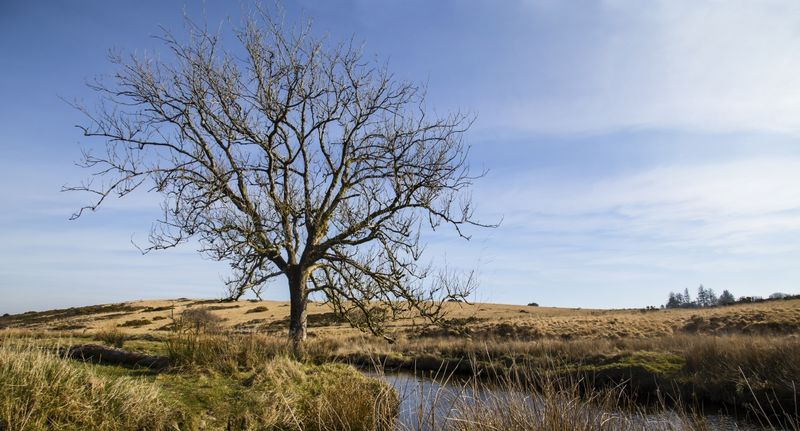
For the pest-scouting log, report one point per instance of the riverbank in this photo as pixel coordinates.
(250, 383)
(42, 389)
(744, 375)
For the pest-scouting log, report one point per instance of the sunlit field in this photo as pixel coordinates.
(631, 365)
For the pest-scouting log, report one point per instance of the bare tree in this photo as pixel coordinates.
(292, 158)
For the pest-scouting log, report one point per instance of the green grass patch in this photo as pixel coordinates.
(659, 363)
(41, 390)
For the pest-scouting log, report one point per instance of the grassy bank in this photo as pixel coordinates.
(743, 375)
(748, 375)
(40, 390)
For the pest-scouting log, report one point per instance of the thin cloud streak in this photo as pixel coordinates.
(712, 222)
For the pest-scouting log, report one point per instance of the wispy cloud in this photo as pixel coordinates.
(563, 67)
(757, 196)
(658, 228)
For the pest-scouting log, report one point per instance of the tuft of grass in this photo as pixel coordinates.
(231, 353)
(112, 337)
(225, 354)
(324, 397)
(39, 391)
(761, 373)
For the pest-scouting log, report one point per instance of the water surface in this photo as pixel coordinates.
(427, 403)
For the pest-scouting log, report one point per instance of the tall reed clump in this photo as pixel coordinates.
(229, 353)
(760, 373)
(41, 391)
(536, 400)
(226, 354)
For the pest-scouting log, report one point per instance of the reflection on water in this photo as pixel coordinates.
(427, 404)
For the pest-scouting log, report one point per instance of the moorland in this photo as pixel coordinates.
(208, 364)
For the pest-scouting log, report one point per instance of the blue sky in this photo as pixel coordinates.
(634, 147)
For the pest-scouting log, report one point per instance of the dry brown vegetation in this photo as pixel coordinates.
(248, 384)
(477, 320)
(42, 390)
(739, 359)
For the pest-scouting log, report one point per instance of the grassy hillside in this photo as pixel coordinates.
(155, 316)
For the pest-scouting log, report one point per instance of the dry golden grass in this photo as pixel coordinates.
(155, 316)
(41, 391)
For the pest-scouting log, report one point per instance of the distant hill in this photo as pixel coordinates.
(525, 322)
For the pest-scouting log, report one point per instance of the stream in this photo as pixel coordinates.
(427, 404)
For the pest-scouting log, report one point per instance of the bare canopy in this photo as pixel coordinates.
(287, 157)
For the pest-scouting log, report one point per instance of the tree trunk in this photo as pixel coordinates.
(297, 310)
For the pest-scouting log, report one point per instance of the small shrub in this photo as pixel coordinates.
(199, 320)
(112, 337)
(533, 304)
(259, 309)
(135, 323)
(376, 316)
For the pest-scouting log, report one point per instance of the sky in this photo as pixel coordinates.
(633, 147)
